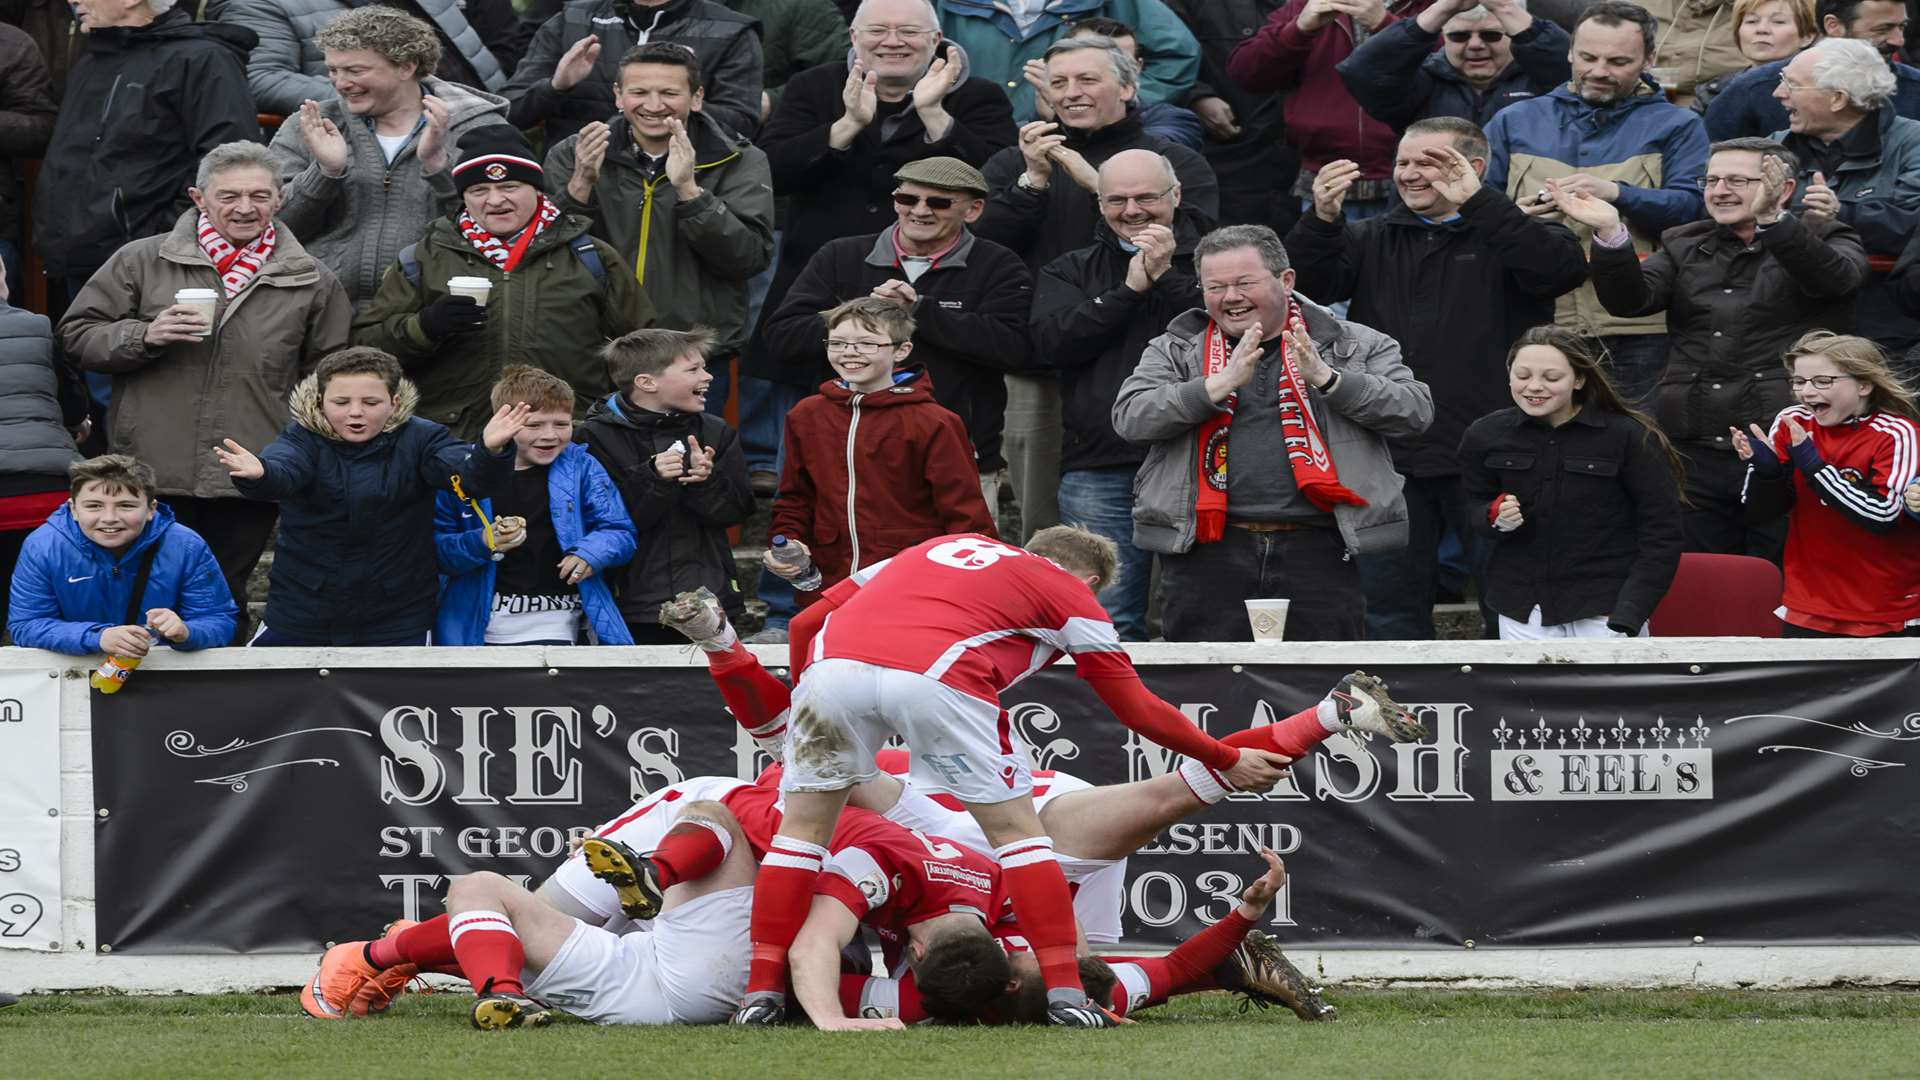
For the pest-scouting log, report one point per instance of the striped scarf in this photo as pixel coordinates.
(497, 250)
(237, 265)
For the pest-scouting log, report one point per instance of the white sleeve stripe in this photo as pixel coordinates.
(1876, 508)
(866, 573)
(793, 862)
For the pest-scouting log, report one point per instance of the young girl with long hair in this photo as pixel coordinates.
(1579, 494)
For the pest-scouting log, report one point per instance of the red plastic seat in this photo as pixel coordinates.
(1720, 596)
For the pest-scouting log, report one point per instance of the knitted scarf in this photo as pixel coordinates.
(497, 250)
(236, 265)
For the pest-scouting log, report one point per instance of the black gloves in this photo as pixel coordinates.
(451, 315)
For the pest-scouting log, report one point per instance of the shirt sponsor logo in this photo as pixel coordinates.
(958, 875)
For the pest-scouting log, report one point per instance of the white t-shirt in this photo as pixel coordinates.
(390, 145)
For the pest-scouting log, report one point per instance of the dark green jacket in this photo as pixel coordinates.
(794, 36)
(550, 312)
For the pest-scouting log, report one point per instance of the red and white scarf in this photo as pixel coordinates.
(1313, 471)
(498, 251)
(237, 265)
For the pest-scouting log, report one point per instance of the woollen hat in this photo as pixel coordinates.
(948, 173)
(495, 154)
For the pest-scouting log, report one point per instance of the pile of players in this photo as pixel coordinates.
(721, 898)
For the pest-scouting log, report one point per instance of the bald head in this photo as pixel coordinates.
(1138, 188)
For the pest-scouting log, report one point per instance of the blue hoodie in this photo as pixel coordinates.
(590, 520)
(67, 589)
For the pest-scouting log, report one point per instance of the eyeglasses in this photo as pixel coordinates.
(1219, 288)
(862, 348)
(908, 34)
(1734, 183)
(934, 202)
(1793, 89)
(1144, 202)
(1461, 37)
(1818, 382)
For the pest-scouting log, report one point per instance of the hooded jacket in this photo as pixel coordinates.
(172, 405)
(693, 258)
(726, 43)
(588, 518)
(550, 312)
(1000, 50)
(66, 589)
(680, 529)
(355, 560)
(1398, 75)
(357, 222)
(143, 105)
(870, 475)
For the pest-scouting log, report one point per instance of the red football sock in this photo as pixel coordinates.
(1044, 907)
(691, 850)
(782, 895)
(428, 945)
(1296, 736)
(1188, 969)
(757, 700)
(489, 951)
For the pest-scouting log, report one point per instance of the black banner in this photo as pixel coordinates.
(274, 810)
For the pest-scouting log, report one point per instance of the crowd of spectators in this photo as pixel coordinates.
(497, 319)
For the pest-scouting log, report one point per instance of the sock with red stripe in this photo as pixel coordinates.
(489, 951)
(782, 895)
(427, 945)
(1296, 736)
(691, 850)
(757, 700)
(1044, 907)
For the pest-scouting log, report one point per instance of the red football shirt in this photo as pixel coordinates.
(891, 877)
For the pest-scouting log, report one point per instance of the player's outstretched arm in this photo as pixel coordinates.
(814, 965)
(1147, 713)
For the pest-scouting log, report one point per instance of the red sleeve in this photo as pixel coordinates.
(1273, 58)
(793, 504)
(853, 996)
(1147, 713)
(1493, 508)
(954, 476)
(803, 626)
(844, 891)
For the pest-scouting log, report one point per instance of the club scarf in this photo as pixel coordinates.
(1313, 471)
(496, 249)
(236, 265)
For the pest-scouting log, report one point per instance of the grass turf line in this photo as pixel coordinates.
(1439, 1035)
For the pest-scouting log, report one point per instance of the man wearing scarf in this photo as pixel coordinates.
(1270, 419)
(556, 296)
(182, 382)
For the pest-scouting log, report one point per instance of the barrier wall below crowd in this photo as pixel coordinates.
(1661, 812)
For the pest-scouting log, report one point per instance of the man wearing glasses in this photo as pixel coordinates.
(1748, 106)
(1738, 289)
(1493, 56)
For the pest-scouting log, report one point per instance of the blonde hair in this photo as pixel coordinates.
(1805, 22)
(1078, 550)
(1862, 359)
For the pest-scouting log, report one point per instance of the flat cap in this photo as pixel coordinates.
(949, 173)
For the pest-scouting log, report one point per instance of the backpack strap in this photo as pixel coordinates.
(589, 257)
(410, 264)
(135, 615)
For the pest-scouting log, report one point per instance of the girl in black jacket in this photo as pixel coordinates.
(1579, 493)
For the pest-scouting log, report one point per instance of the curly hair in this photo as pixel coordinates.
(395, 35)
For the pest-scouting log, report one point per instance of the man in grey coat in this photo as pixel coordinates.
(1310, 401)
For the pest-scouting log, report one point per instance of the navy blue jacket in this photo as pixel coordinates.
(355, 560)
(66, 588)
(1747, 107)
(1399, 77)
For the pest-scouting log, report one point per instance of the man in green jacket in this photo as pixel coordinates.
(553, 295)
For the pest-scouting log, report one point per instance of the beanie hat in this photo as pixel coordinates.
(948, 173)
(495, 154)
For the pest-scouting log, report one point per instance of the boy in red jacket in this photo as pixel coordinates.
(873, 464)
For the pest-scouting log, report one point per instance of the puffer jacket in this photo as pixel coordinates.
(33, 435)
(288, 67)
(1377, 398)
(143, 105)
(588, 518)
(999, 49)
(725, 42)
(1398, 76)
(357, 222)
(693, 258)
(26, 118)
(355, 560)
(680, 529)
(870, 475)
(66, 589)
(173, 405)
(551, 312)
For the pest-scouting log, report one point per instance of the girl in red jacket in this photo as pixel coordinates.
(1837, 463)
(874, 465)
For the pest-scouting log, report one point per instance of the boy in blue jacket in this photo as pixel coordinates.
(72, 589)
(524, 567)
(354, 474)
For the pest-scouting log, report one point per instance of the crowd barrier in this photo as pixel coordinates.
(1651, 812)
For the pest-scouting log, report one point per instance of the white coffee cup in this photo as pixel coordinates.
(1268, 618)
(205, 301)
(477, 287)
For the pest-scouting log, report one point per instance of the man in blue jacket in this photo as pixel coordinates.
(1494, 55)
(73, 589)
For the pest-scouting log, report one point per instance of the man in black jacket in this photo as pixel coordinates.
(1455, 273)
(1738, 290)
(567, 76)
(1492, 56)
(1094, 310)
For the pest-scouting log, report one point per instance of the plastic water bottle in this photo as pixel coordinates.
(789, 555)
(112, 673)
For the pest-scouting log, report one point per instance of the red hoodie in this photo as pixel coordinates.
(869, 475)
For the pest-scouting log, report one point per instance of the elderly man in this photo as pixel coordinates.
(1738, 289)
(553, 294)
(1455, 273)
(1748, 106)
(1044, 206)
(183, 381)
(366, 166)
(1003, 41)
(1490, 56)
(1094, 310)
(1859, 164)
(1609, 133)
(1310, 485)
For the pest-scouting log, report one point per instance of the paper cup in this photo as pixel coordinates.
(477, 287)
(205, 301)
(1268, 619)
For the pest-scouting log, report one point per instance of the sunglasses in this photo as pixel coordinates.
(934, 202)
(1461, 37)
